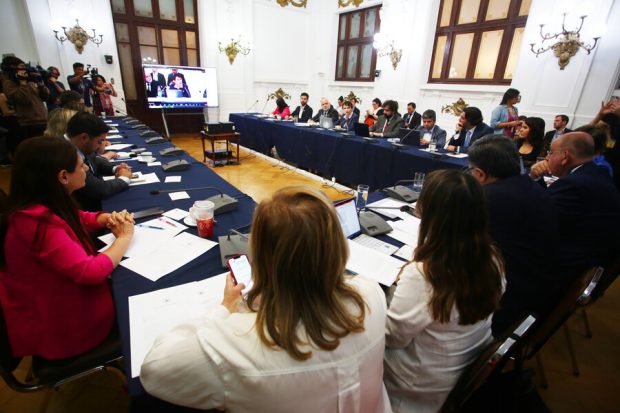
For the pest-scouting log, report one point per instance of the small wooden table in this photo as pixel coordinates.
(228, 137)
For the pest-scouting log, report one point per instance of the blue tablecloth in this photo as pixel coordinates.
(126, 283)
(351, 160)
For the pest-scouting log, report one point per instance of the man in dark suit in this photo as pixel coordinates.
(326, 110)
(389, 123)
(303, 112)
(86, 131)
(472, 129)
(412, 119)
(559, 128)
(523, 223)
(587, 202)
(429, 131)
(349, 119)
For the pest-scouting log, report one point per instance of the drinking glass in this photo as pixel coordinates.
(418, 181)
(361, 196)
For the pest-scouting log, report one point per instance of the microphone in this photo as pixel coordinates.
(127, 107)
(222, 202)
(253, 104)
(264, 106)
(232, 245)
(402, 193)
(407, 135)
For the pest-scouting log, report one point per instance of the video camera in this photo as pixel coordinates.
(92, 71)
(36, 73)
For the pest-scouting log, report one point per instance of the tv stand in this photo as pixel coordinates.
(204, 113)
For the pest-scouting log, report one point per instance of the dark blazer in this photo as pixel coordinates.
(413, 122)
(151, 89)
(588, 206)
(481, 130)
(306, 114)
(438, 134)
(356, 110)
(523, 224)
(549, 137)
(331, 112)
(96, 188)
(348, 124)
(394, 124)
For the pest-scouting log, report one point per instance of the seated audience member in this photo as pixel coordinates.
(587, 203)
(372, 114)
(389, 123)
(559, 128)
(303, 112)
(71, 99)
(609, 114)
(304, 329)
(340, 108)
(439, 310)
(55, 88)
(430, 131)
(326, 110)
(349, 119)
(523, 224)
(530, 140)
(505, 117)
(412, 119)
(86, 131)
(472, 128)
(518, 127)
(282, 110)
(53, 284)
(57, 122)
(600, 134)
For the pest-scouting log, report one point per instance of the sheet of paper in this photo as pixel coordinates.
(408, 237)
(111, 137)
(457, 155)
(405, 252)
(118, 146)
(123, 155)
(152, 314)
(148, 236)
(372, 264)
(169, 256)
(392, 210)
(176, 213)
(113, 130)
(144, 179)
(176, 178)
(175, 196)
(157, 163)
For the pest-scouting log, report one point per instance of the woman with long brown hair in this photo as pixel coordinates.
(305, 339)
(440, 309)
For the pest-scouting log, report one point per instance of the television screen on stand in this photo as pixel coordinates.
(180, 87)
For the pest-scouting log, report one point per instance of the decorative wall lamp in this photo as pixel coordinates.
(78, 36)
(345, 3)
(387, 47)
(568, 43)
(233, 48)
(300, 3)
(278, 94)
(455, 108)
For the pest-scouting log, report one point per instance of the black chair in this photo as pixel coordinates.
(578, 295)
(612, 271)
(53, 374)
(490, 361)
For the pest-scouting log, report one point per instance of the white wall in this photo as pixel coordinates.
(16, 32)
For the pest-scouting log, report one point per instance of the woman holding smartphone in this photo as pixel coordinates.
(306, 338)
(439, 314)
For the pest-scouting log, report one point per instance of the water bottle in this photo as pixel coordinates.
(432, 146)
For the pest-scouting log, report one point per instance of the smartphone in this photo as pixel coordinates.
(241, 271)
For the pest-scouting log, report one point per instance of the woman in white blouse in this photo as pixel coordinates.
(305, 338)
(439, 312)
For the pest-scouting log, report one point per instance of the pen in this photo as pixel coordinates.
(167, 222)
(149, 226)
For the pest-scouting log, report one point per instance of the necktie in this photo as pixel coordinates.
(467, 138)
(385, 125)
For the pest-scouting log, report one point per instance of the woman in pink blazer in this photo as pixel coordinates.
(53, 284)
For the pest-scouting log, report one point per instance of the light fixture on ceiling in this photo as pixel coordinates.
(568, 44)
(78, 36)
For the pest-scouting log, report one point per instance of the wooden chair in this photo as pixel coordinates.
(491, 360)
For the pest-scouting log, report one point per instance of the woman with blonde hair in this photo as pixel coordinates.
(306, 338)
(57, 122)
(439, 314)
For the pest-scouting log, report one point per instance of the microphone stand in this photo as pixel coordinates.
(253, 104)
(265, 105)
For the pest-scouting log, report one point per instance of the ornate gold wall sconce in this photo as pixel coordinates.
(233, 48)
(78, 36)
(345, 3)
(387, 47)
(300, 3)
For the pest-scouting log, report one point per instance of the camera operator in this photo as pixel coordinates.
(55, 87)
(79, 82)
(26, 92)
(102, 99)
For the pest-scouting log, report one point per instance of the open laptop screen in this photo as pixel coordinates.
(347, 214)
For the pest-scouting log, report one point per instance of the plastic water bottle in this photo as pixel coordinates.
(432, 146)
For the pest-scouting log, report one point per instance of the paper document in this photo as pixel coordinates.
(169, 256)
(372, 264)
(175, 196)
(118, 146)
(405, 252)
(176, 178)
(376, 244)
(156, 163)
(144, 179)
(152, 314)
(176, 213)
(108, 137)
(403, 233)
(457, 155)
(392, 211)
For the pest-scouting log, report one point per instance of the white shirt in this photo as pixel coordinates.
(219, 362)
(423, 357)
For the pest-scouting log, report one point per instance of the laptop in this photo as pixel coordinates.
(347, 215)
(361, 129)
(327, 122)
(409, 137)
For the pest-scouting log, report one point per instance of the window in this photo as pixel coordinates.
(355, 57)
(478, 41)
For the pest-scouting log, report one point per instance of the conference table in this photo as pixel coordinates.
(125, 282)
(351, 159)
